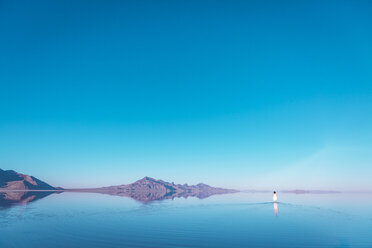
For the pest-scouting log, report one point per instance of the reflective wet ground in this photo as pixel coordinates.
(41, 219)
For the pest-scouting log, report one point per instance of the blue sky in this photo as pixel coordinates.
(243, 94)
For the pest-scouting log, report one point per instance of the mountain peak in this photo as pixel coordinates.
(146, 179)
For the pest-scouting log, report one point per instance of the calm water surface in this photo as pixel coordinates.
(235, 220)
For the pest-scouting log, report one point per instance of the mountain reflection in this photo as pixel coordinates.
(14, 198)
(148, 196)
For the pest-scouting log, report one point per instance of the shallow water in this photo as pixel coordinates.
(233, 220)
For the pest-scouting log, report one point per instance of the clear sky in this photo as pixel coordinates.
(244, 94)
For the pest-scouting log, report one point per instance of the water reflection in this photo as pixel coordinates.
(150, 196)
(14, 198)
(100, 221)
(276, 209)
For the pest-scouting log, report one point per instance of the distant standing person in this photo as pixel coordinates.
(275, 197)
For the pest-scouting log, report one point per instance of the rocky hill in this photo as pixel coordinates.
(149, 189)
(11, 180)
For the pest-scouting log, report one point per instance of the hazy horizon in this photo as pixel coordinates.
(250, 95)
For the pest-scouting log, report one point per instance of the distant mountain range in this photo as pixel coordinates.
(11, 180)
(149, 189)
(301, 191)
(145, 190)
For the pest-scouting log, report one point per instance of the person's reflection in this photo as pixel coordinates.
(276, 209)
